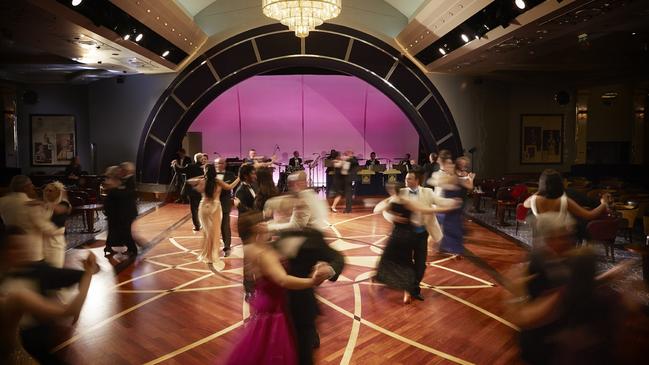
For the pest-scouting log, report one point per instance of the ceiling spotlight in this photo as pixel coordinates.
(165, 53)
(442, 51)
(465, 38)
(76, 2)
(139, 37)
(520, 4)
(127, 37)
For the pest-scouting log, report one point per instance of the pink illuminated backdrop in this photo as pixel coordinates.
(307, 113)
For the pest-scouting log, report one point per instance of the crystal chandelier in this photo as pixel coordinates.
(301, 16)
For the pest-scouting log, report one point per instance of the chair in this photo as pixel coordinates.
(630, 215)
(604, 231)
(521, 215)
(504, 202)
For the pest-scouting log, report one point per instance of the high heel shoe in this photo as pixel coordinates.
(334, 210)
(407, 299)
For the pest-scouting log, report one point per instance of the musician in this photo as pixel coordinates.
(295, 162)
(373, 161)
(406, 162)
(181, 161)
(257, 161)
(252, 157)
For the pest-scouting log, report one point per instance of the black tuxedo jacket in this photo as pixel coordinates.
(246, 199)
(291, 162)
(372, 162)
(302, 303)
(191, 170)
(226, 195)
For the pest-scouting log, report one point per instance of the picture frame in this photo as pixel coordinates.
(542, 138)
(53, 139)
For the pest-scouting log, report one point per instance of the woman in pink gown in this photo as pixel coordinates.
(268, 335)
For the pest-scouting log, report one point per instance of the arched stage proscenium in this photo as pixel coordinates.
(274, 47)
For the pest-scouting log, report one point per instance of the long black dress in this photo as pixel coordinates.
(396, 268)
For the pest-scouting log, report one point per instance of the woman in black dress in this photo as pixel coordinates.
(396, 268)
(338, 186)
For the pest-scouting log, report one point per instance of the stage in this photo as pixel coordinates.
(169, 308)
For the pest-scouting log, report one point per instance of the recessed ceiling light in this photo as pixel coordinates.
(126, 37)
(442, 51)
(165, 54)
(148, 10)
(139, 37)
(76, 2)
(465, 38)
(520, 4)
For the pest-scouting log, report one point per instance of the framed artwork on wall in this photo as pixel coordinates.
(53, 139)
(541, 139)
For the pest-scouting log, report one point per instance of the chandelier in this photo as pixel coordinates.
(301, 16)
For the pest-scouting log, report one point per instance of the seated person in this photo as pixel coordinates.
(373, 162)
(73, 170)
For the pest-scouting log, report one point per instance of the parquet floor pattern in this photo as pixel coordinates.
(169, 308)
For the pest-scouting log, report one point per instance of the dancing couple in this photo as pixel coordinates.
(412, 211)
(281, 329)
(210, 213)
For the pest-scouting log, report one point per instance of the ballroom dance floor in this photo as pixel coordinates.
(168, 308)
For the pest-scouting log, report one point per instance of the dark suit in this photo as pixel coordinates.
(374, 162)
(193, 170)
(295, 162)
(226, 207)
(246, 198)
(180, 178)
(302, 303)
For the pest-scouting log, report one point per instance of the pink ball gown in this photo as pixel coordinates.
(268, 336)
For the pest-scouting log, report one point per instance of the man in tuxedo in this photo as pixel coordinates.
(181, 161)
(301, 240)
(373, 161)
(424, 225)
(430, 167)
(406, 163)
(226, 203)
(247, 191)
(306, 248)
(193, 170)
(295, 162)
(252, 157)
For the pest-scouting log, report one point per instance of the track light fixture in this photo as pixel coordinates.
(139, 37)
(76, 2)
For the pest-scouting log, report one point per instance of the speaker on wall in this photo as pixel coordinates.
(30, 97)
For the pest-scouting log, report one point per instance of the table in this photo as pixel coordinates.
(88, 211)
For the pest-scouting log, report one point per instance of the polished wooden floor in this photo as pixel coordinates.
(169, 308)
